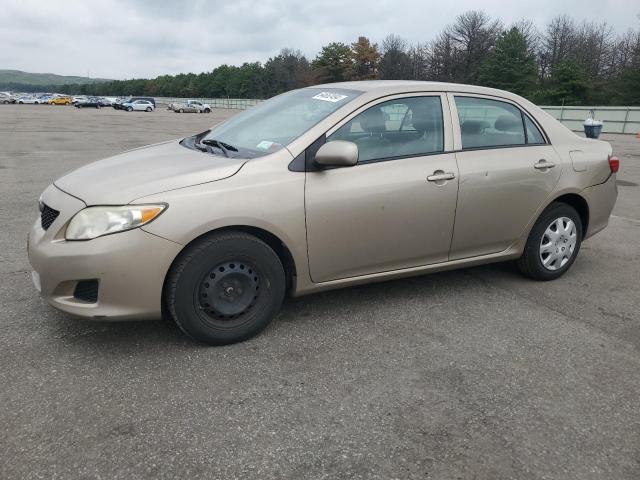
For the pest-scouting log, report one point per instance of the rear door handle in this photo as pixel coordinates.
(441, 176)
(543, 164)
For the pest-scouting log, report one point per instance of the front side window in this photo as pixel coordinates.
(402, 127)
(489, 123)
(275, 123)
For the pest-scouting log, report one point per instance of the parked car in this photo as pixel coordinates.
(61, 101)
(119, 105)
(93, 102)
(79, 99)
(7, 98)
(191, 106)
(319, 188)
(138, 105)
(28, 99)
(108, 101)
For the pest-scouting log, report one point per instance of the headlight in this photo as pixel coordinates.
(94, 222)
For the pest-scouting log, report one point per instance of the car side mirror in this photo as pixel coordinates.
(338, 153)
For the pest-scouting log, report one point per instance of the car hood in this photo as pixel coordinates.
(145, 171)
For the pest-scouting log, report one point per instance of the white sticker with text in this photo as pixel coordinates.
(329, 97)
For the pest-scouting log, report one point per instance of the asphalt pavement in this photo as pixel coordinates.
(473, 374)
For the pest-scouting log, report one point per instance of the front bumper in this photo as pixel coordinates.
(130, 267)
(601, 200)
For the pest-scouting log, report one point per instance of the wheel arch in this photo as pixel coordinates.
(581, 206)
(279, 247)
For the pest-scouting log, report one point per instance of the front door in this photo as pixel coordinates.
(395, 209)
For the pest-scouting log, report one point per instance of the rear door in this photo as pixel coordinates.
(395, 208)
(507, 172)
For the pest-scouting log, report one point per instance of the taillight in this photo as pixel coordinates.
(614, 164)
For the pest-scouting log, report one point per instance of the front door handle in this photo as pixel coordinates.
(441, 176)
(543, 165)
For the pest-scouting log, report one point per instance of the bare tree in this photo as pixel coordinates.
(395, 63)
(592, 47)
(473, 35)
(443, 58)
(557, 44)
(530, 33)
(419, 58)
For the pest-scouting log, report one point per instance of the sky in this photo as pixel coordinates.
(145, 38)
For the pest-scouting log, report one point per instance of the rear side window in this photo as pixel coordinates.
(404, 127)
(489, 123)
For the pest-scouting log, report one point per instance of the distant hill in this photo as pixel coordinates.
(18, 80)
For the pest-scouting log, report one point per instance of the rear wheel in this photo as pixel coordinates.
(207, 110)
(129, 109)
(225, 288)
(181, 111)
(553, 244)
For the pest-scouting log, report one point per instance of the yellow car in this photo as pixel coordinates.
(60, 101)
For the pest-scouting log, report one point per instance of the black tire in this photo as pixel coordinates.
(181, 110)
(530, 263)
(129, 109)
(199, 291)
(207, 110)
(148, 109)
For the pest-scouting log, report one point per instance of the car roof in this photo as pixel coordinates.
(389, 87)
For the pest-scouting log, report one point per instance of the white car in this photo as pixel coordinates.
(139, 105)
(80, 99)
(28, 99)
(191, 106)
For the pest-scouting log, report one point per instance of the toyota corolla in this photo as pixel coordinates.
(318, 188)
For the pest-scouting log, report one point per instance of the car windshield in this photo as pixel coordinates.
(270, 125)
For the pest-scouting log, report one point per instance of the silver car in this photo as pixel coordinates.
(319, 188)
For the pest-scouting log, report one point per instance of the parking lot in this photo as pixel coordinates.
(473, 374)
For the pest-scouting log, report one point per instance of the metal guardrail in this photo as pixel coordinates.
(616, 119)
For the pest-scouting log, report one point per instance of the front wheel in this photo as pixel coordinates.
(129, 109)
(225, 288)
(553, 244)
(148, 109)
(181, 111)
(207, 110)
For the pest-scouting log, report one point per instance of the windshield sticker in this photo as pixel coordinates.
(267, 145)
(329, 97)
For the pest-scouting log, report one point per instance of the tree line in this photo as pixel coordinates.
(566, 62)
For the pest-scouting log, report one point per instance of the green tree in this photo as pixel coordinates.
(568, 85)
(288, 70)
(333, 63)
(365, 59)
(509, 66)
